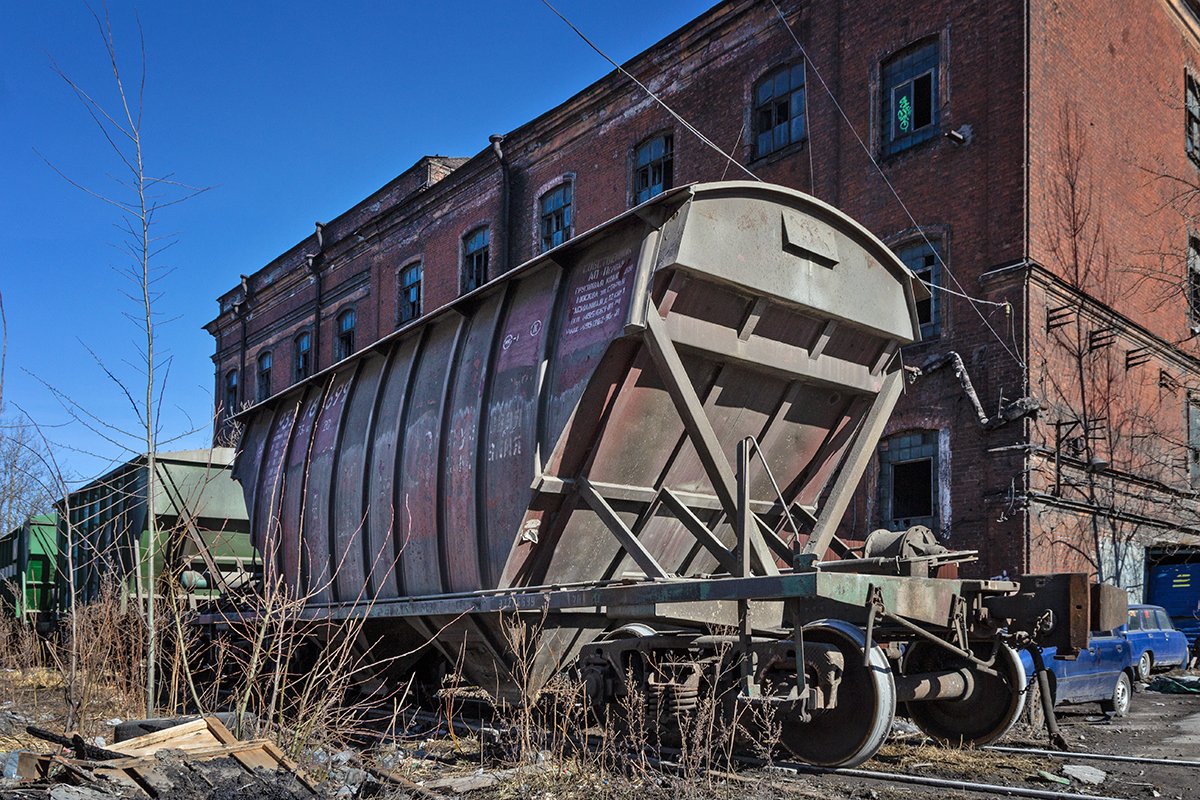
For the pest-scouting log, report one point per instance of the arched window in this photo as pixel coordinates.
(343, 345)
(408, 303)
(231, 391)
(653, 167)
(303, 362)
(556, 215)
(475, 259)
(779, 110)
(264, 376)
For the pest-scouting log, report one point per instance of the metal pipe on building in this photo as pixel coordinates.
(502, 246)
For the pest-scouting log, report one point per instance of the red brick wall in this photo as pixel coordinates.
(1125, 79)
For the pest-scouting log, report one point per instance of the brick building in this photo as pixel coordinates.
(1047, 172)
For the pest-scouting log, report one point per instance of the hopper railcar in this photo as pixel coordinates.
(646, 438)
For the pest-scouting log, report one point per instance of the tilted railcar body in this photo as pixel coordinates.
(661, 420)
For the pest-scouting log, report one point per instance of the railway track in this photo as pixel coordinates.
(793, 772)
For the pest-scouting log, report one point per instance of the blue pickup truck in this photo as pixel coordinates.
(1104, 671)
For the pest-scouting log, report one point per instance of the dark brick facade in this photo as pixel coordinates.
(1048, 100)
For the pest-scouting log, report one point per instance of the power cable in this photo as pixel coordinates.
(656, 98)
(962, 292)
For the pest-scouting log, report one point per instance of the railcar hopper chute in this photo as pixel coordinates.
(645, 439)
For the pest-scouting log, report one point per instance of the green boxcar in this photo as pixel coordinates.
(203, 531)
(27, 558)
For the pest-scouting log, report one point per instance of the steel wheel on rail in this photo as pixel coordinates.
(854, 730)
(992, 703)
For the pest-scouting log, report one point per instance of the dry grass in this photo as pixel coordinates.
(955, 762)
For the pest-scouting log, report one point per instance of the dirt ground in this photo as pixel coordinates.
(1159, 726)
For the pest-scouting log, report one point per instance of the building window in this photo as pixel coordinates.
(264, 376)
(779, 110)
(408, 305)
(908, 480)
(474, 259)
(1193, 283)
(303, 356)
(343, 344)
(653, 167)
(231, 391)
(910, 92)
(1192, 115)
(922, 258)
(556, 215)
(1193, 439)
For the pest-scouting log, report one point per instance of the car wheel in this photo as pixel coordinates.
(1143, 667)
(1118, 704)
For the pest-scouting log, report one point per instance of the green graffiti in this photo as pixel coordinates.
(904, 113)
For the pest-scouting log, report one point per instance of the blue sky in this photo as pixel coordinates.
(290, 111)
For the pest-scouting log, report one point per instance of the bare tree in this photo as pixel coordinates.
(137, 199)
(1114, 467)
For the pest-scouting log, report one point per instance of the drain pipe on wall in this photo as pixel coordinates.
(1013, 410)
(502, 246)
(315, 269)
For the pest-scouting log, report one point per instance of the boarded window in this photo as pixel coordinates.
(556, 215)
(779, 110)
(475, 259)
(408, 306)
(653, 167)
(910, 92)
(908, 480)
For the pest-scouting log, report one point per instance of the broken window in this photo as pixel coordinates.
(475, 259)
(653, 167)
(556, 215)
(303, 356)
(343, 345)
(264, 376)
(910, 91)
(779, 110)
(1193, 283)
(1193, 435)
(908, 479)
(231, 391)
(922, 258)
(1192, 116)
(409, 302)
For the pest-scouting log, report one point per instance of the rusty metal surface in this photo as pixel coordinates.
(413, 468)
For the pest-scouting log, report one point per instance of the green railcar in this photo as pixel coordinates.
(27, 558)
(201, 531)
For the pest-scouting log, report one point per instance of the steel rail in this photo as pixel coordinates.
(785, 768)
(788, 768)
(1171, 762)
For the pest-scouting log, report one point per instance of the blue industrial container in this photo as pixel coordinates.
(1176, 587)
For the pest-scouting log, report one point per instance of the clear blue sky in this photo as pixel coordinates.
(291, 111)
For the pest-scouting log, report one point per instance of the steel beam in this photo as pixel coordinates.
(620, 530)
(861, 451)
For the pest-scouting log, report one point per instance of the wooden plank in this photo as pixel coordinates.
(158, 739)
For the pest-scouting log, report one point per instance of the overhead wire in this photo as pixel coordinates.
(960, 292)
(975, 302)
(678, 117)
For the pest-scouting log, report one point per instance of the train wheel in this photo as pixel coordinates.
(853, 730)
(990, 707)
